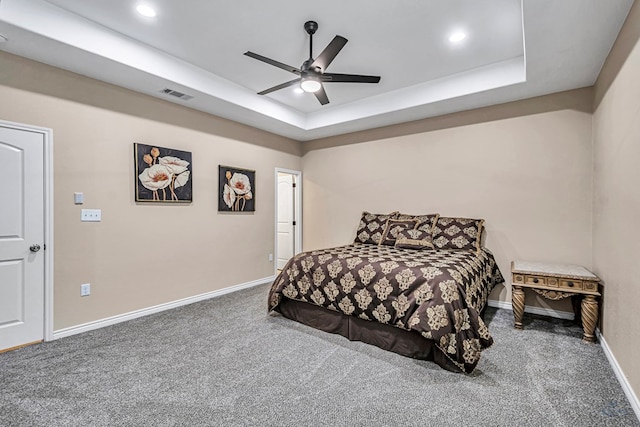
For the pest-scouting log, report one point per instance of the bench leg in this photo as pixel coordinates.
(589, 317)
(517, 302)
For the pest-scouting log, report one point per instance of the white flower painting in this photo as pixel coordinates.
(236, 189)
(163, 174)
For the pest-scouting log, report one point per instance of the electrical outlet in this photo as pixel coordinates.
(91, 215)
(270, 257)
(85, 289)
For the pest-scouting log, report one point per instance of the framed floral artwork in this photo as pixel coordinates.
(236, 189)
(163, 175)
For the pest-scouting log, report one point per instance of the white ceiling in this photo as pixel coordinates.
(513, 50)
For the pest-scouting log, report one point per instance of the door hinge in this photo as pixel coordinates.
(293, 185)
(44, 246)
(294, 223)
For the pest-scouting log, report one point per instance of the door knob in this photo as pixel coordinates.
(34, 248)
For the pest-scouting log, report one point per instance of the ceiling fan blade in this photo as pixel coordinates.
(329, 53)
(270, 61)
(348, 78)
(322, 96)
(280, 86)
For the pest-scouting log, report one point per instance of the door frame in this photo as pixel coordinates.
(47, 166)
(297, 206)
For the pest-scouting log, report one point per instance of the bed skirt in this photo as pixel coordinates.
(386, 337)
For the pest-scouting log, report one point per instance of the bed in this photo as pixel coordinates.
(416, 299)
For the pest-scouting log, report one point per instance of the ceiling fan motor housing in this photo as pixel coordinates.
(308, 68)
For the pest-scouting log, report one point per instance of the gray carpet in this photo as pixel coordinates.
(224, 362)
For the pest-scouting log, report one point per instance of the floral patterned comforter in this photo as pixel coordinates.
(436, 293)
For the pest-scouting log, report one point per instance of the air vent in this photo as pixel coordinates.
(177, 94)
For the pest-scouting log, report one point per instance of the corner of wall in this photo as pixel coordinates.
(622, 47)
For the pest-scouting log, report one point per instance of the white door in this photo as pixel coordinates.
(286, 236)
(21, 237)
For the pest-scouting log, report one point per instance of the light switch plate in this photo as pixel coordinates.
(91, 215)
(78, 198)
(85, 289)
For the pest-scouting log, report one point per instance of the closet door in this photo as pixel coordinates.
(21, 237)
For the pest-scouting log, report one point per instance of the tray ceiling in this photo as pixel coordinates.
(512, 50)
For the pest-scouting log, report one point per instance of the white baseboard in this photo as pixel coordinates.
(622, 379)
(61, 333)
(533, 310)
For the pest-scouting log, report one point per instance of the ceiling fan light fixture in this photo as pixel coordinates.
(310, 84)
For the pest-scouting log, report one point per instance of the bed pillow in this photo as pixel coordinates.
(393, 227)
(372, 226)
(425, 222)
(458, 233)
(414, 239)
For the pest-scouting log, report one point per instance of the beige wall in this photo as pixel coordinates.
(616, 204)
(524, 167)
(141, 255)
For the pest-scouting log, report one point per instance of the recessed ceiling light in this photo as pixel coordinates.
(457, 37)
(146, 10)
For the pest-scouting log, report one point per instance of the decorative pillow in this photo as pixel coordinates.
(372, 226)
(414, 239)
(425, 222)
(394, 226)
(457, 233)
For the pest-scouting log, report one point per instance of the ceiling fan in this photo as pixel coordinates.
(312, 72)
